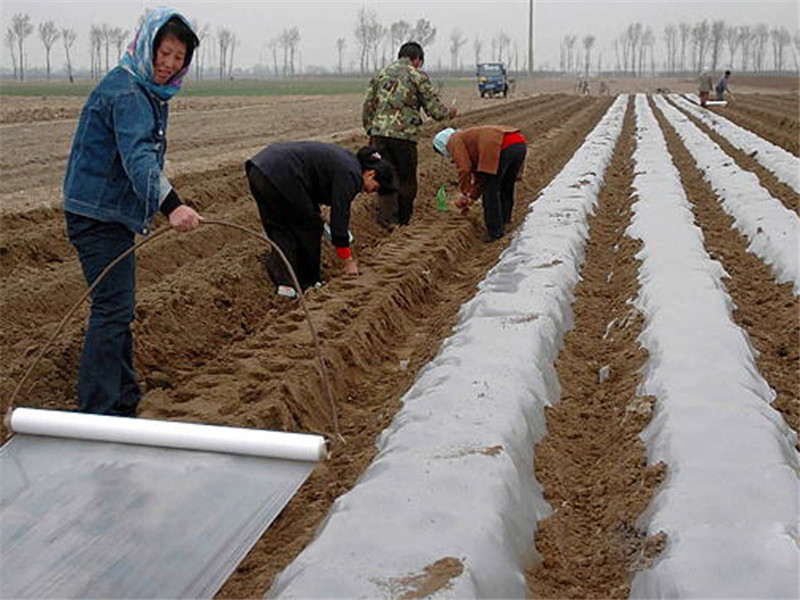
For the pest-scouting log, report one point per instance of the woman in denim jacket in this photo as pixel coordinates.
(113, 187)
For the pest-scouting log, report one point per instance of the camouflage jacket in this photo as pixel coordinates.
(395, 95)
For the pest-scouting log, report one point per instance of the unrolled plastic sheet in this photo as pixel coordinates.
(88, 519)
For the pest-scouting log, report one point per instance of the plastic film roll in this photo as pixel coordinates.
(188, 436)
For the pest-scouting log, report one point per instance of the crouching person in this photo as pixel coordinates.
(489, 160)
(290, 181)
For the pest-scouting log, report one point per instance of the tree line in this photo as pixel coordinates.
(375, 43)
(688, 48)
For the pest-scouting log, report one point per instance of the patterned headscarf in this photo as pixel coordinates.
(138, 58)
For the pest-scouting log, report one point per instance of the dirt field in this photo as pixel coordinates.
(215, 345)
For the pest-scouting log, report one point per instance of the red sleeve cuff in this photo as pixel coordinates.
(344, 253)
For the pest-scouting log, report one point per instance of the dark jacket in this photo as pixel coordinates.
(310, 174)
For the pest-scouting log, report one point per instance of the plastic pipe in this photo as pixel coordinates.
(188, 436)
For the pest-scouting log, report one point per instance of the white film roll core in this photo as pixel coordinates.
(188, 436)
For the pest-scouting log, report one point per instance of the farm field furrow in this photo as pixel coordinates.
(767, 178)
(214, 344)
(775, 120)
(591, 463)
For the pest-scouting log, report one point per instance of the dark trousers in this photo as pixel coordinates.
(498, 190)
(295, 228)
(106, 378)
(397, 208)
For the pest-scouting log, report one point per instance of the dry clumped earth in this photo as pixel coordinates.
(215, 345)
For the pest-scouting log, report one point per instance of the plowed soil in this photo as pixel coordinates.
(214, 344)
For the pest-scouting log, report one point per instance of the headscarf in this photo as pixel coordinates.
(138, 58)
(440, 140)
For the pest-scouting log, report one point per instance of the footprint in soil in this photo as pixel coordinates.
(285, 328)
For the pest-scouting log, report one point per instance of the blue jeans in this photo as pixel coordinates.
(106, 378)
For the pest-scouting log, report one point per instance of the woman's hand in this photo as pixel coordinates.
(184, 218)
(349, 267)
(462, 203)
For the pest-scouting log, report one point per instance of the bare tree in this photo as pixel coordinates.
(105, 34)
(634, 39)
(21, 25)
(340, 44)
(48, 34)
(224, 36)
(284, 42)
(399, 33)
(761, 34)
(503, 43)
(588, 42)
(293, 39)
(746, 40)
(203, 33)
(685, 33)
(364, 27)
(273, 44)
(717, 37)
(377, 33)
(68, 36)
(457, 40)
(796, 49)
(232, 47)
(647, 41)
(733, 38)
(423, 33)
(477, 45)
(781, 38)
(700, 43)
(96, 44)
(671, 42)
(11, 44)
(118, 37)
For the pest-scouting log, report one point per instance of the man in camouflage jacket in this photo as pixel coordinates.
(392, 120)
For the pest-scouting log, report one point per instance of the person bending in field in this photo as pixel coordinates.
(705, 85)
(290, 181)
(722, 86)
(113, 187)
(489, 159)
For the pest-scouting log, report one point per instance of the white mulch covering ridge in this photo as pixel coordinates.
(785, 165)
(773, 231)
(729, 503)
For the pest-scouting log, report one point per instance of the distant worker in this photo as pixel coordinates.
(722, 86)
(489, 160)
(706, 84)
(113, 187)
(290, 181)
(392, 120)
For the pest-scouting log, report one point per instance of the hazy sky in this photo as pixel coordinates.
(321, 22)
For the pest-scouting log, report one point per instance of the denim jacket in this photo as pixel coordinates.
(114, 169)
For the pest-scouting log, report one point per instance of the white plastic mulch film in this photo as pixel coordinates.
(92, 519)
(729, 504)
(452, 489)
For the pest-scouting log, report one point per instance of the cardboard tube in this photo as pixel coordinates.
(169, 434)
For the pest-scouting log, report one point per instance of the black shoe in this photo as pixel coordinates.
(488, 238)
